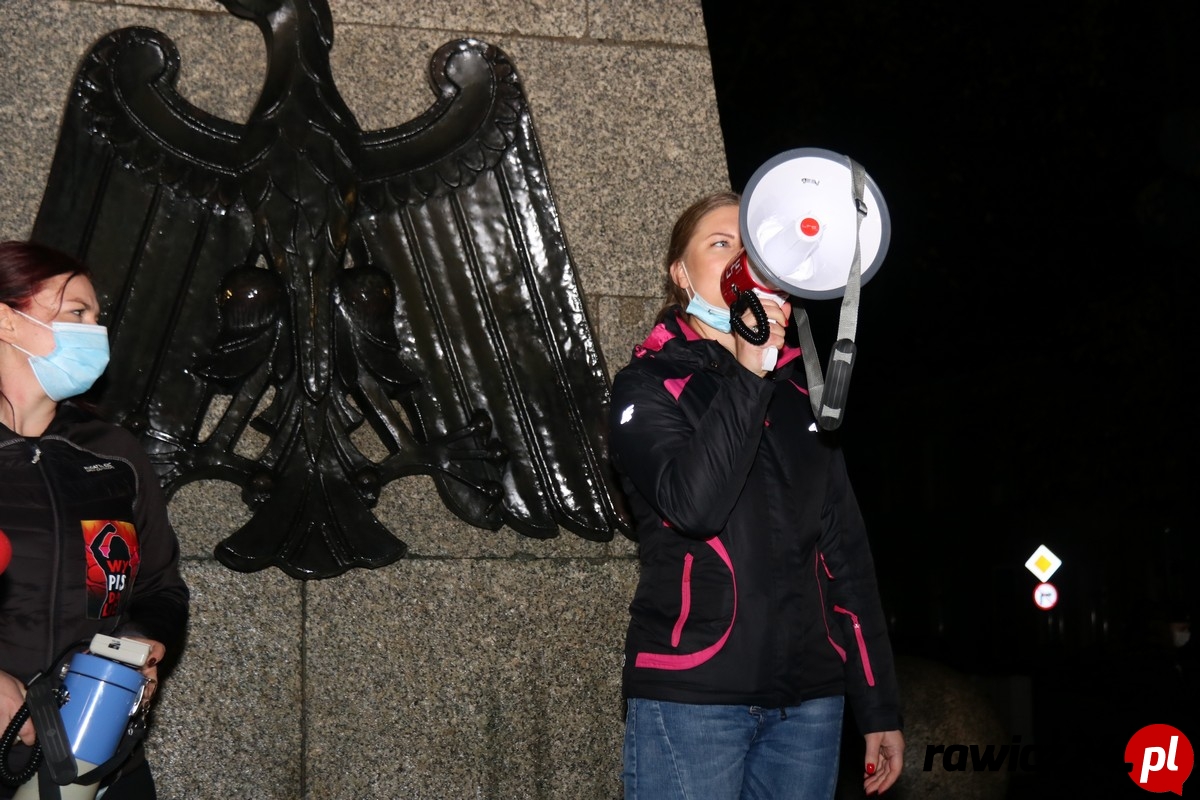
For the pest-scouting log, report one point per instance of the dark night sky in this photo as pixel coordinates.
(1026, 349)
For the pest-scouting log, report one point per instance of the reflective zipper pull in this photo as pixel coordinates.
(37, 454)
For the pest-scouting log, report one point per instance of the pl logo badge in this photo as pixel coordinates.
(1161, 759)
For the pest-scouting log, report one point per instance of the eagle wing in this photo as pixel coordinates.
(148, 191)
(491, 314)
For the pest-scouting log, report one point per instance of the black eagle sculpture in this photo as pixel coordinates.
(302, 276)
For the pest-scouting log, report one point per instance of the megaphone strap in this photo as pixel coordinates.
(44, 697)
(828, 408)
(812, 364)
(848, 321)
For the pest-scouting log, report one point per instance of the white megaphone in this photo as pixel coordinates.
(813, 224)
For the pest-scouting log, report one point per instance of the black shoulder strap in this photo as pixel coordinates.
(42, 698)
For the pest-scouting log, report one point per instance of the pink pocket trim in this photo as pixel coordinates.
(690, 660)
(685, 602)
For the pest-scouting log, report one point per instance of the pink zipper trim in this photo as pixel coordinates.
(690, 660)
(685, 603)
(862, 643)
(819, 561)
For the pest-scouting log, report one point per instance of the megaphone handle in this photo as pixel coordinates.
(837, 384)
(44, 698)
(755, 336)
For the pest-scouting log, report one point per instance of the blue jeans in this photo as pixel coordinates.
(681, 751)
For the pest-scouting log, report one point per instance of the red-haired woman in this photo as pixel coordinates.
(92, 548)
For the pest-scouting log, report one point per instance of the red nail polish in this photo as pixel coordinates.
(870, 769)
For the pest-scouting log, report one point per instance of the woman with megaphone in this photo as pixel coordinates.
(757, 616)
(93, 551)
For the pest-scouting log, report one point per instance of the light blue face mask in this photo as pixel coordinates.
(706, 312)
(79, 357)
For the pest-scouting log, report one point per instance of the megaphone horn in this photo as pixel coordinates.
(810, 219)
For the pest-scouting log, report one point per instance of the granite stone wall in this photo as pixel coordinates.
(485, 664)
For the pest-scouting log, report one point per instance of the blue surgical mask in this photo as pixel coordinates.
(706, 312)
(79, 357)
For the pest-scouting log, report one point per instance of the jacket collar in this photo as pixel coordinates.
(674, 328)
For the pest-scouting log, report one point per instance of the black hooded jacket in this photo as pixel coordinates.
(93, 550)
(757, 584)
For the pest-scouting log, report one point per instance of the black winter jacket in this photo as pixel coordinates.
(757, 584)
(93, 550)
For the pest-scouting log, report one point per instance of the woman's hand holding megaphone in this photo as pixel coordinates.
(12, 697)
(149, 670)
(760, 358)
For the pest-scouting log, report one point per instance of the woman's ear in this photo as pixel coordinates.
(679, 275)
(8, 323)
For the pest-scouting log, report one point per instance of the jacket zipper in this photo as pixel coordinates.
(820, 560)
(685, 605)
(862, 643)
(56, 562)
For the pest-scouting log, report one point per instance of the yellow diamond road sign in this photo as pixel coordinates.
(1043, 563)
